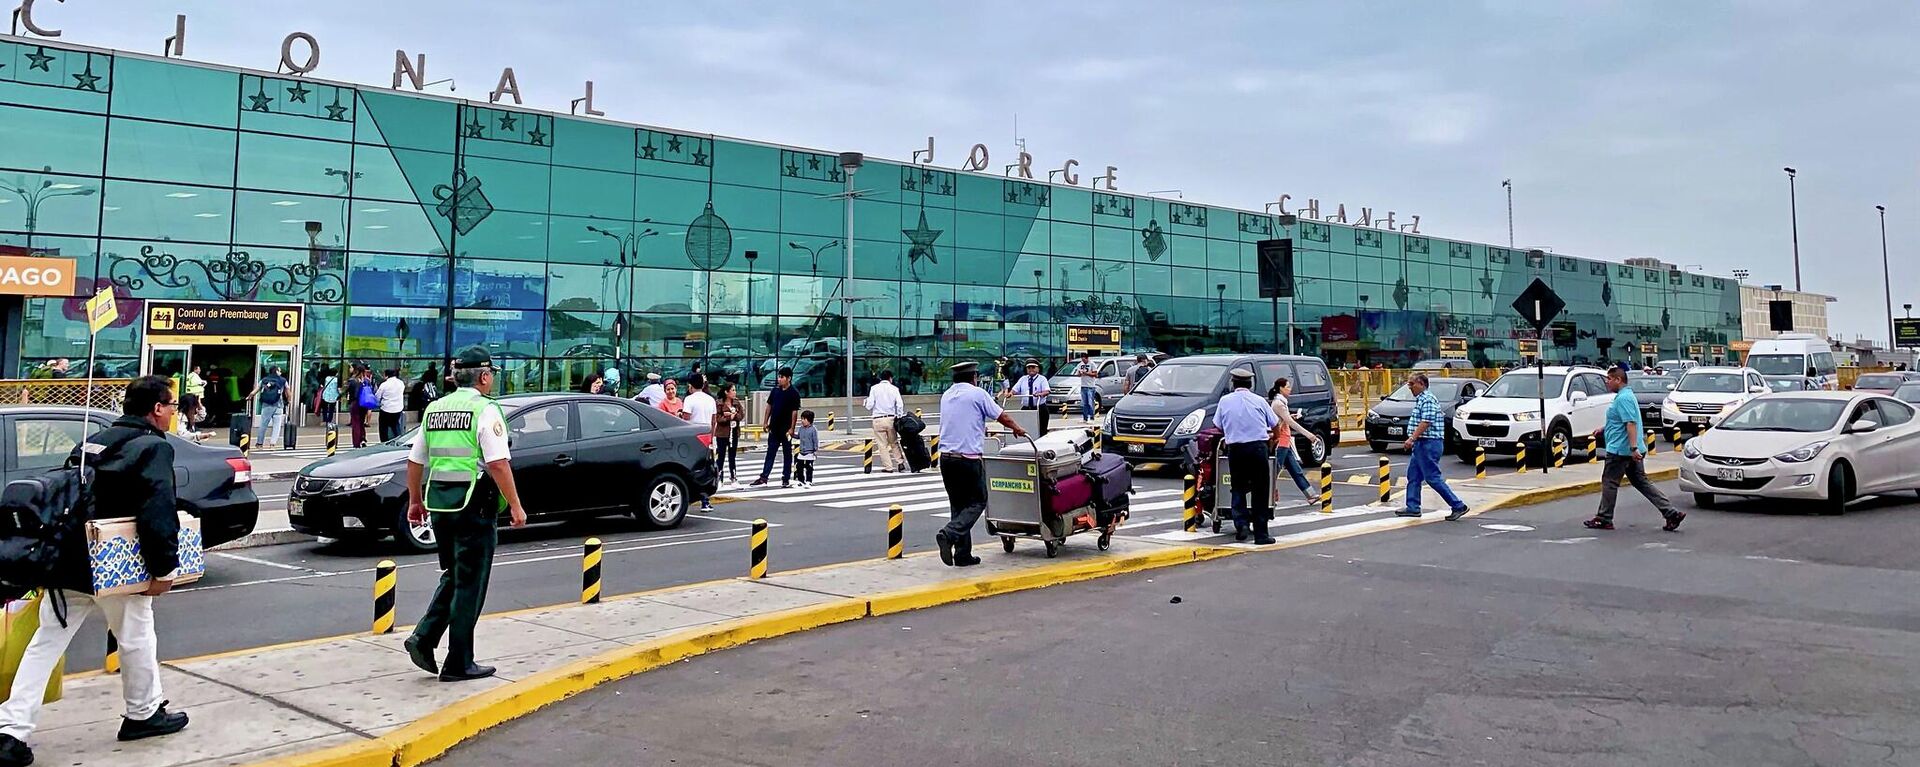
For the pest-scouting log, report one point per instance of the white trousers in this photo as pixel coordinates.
(131, 619)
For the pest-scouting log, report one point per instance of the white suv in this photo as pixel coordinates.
(1509, 412)
(1705, 395)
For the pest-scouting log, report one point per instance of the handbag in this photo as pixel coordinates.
(22, 618)
(367, 398)
(909, 424)
(113, 556)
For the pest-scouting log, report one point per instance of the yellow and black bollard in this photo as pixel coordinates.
(590, 573)
(1653, 443)
(1674, 439)
(1479, 462)
(866, 457)
(112, 663)
(1593, 449)
(1560, 455)
(934, 461)
(1326, 487)
(385, 577)
(896, 531)
(757, 562)
(1190, 505)
(1520, 459)
(831, 418)
(333, 440)
(1386, 481)
(246, 443)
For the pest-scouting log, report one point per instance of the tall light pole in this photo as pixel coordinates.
(1886, 272)
(33, 196)
(1793, 212)
(1508, 185)
(850, 162)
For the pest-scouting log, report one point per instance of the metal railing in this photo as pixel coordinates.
(106, 393)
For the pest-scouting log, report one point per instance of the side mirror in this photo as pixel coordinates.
(1756, 390)
(1578, 396)
(1862, 426)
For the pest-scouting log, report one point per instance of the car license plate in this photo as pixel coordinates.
(294, 507)
(1395, 431)
(1489, 442)
(1732, 475)
(1701, 419)
(1136, 448)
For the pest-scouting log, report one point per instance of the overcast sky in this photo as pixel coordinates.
(1654, 128)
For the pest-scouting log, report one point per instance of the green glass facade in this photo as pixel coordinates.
(168, 179)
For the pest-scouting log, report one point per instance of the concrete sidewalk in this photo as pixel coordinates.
(359, 699)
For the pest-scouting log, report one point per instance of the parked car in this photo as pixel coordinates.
(1706, 394)
(1676, 367)
(1908, 393)
(1175, 401)
(574, 455)
(1508, 415)
(1442, 365)
(212, 482)
(1820, 446)
(1064, 386)
(1386, 423)
(1651, 391)
(1885, 383)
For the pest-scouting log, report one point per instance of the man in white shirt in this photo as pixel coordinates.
(1032, 390)
(654, 393)
(393, 399)
(698, 409)
(884, 402)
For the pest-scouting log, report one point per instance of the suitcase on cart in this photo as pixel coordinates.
(1070, 494)
(1112, 478)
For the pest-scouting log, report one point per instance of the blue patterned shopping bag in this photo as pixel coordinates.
(113, 554)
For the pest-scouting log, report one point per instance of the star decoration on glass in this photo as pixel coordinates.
(336, 111)
(908, 183)
(258, 102)
(833, 175)
(926, 177)
(507, 121)
(792, 169)
(699, 157)
(1486, 285)
(1042, 201)
(922, 239)
(476, 128)
(946, 188)
(1013, 196)
(650, 151)
(813, 162)
(298, 93)
(673, 143)
(87, 81)
(40, 60)
(536, 137)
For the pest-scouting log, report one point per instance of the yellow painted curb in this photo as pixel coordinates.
(1066, 572)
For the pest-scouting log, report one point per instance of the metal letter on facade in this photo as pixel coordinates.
(976, 159)
(508, 85)
(313, 53)
(1340, 215)
(1366, 217)
(1026, 165)
(25, 16)
(1283, 204)
(1313, 208)
(1390, 220)
(416, 73)
(177, 44)
(927, 159)
(587, 101)
(1067, 174)
(1113, 174)
(1416, 224)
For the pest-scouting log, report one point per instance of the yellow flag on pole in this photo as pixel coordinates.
(101, 310)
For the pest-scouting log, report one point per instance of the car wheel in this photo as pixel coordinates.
(1377, 447)
(1562, 443)
(415, 537)
(1839, 490)
(1703, 500)
(1313, 453)
(665, 502)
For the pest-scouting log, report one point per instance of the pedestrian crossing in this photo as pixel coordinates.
(836, 485)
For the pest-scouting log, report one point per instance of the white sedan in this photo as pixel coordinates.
(1825, 447)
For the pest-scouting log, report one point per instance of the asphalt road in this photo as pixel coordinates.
(1753, 636)
(270, 595)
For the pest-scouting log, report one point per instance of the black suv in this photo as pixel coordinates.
(1175, 401)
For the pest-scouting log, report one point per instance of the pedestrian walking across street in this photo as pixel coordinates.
(965, 410)
(884, 402)
(783, 409)
(1032, 390)
(460, 474)
(808, 439)
(1284, 454)
(1247, 425)
(1089, 375)
(1427, 441)
(1625, 459)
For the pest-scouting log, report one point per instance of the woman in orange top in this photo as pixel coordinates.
(672, 404)
(1284, 456)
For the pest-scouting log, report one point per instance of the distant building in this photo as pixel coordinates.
(1809, 312)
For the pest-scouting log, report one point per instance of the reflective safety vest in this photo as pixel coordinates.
(451, 428)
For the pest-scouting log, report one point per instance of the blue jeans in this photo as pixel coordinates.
(1425, 469)
(1089, 398)
(1289, 459)
(269, 427)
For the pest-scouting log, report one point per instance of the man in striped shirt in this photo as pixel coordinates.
(1427, 441)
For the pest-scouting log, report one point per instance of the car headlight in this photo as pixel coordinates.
(1692, 450)
(1191, 423)
(355, 484)
(1526, 416)
(1803, 454)
(1373, 415)
(1669, 407)
(1109, 424)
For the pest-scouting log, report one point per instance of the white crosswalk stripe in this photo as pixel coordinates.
(1133, 507)
(843, 486)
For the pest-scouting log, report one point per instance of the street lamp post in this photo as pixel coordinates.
(849, 162)
(1886, 272)
(629, 255)
(34, 196)
(1508, 185)
(1793, 212)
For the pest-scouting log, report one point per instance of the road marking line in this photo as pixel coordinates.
(267, 563)
(863, 501)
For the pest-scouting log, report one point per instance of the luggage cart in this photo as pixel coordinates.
(1221, 509)
(1017, 502)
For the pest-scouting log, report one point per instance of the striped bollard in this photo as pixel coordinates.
(1190, 505)
(386, 576)
(1386, 481)
(1326, 487)
(934, 461)
(1560, 455)
(333, 440)
(1520, 458)
(1653, 444)
(896, 531)
(112, 663)
(246, 443)
(757, 559)
(1479, 462)
(866, 457)
(1593, 448)
(1673, 437)
(831, 418)
(590, 573)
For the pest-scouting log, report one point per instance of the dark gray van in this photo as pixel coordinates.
(1177, 400)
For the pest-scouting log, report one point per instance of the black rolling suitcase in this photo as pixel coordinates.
(915, 450)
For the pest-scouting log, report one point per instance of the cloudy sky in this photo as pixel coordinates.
(1630, 128)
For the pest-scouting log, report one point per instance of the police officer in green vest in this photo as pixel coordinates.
(459, 475)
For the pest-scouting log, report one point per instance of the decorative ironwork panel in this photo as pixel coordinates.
(1190, 215)
(1315, 231)
(1256, 223)
(1494, 255)
(298, 98)
(1419, 246)
(493, 124)
(661, 146)
(1112, 205)
(797, 164)
(1028, 193)
(1368, 238)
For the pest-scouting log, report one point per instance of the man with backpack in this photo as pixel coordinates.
(271, 395)
(132, 468)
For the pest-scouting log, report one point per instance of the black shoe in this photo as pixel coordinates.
(14, 753)
(785, 485)
(1457, 514)
(161, 723)
(969, 561)
(1673, 522)
(1601, 524)
(1239, 533)
(758, 482)
(1264, 541)
(472, 671)
(946, 547)
(422, 656)
(1407, 513)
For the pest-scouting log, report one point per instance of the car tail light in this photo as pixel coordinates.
(242, 470)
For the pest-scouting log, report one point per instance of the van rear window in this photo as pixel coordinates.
(1309, 376)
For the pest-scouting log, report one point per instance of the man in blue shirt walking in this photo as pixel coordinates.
(1624, 458)
(1427, 441)
(965, 410)
(1246, 426)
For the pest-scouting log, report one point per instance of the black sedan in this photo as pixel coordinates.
(211, 482)
(574, 455)
(1387, 421)
(1651, 391)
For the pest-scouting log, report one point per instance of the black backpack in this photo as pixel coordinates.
(42, 522)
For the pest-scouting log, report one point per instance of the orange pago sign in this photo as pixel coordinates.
(36, 276)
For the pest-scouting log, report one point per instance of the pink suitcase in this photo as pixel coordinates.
(1070, 494)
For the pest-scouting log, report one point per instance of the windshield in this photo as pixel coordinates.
(1072, 368)
(1908, 392)
(1778, 364)
(1785, 414)
(1183, 378)
(1654, 384)
(1788, 383)
(1878, 381)
(1444, 391)
(1525, 385)
(1722, 383)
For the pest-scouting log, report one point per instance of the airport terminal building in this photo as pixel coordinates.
(246, 218)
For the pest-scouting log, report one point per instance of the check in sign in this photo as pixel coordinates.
(223, 323)
(1099, 339)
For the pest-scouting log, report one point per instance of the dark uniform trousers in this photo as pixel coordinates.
(965, 480)
(1250, 466)
(466, 542)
